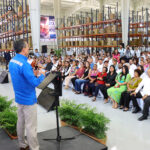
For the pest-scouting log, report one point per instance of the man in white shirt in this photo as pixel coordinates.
(119, 70)
(122, 51)
(100, 65)
(69, 52)
(132, 68)
(143, 91)
(137, 52)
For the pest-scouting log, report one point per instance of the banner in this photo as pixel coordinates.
(47, 29)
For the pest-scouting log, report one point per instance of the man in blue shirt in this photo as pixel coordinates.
(24, 83)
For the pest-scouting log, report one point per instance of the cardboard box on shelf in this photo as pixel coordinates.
(12, 45)
(20, 11)
(76, 32)
(76, 43)
(102, 42)
(70, 23)
(114, 28)
(90, 43)
(114, 43)
(29, 24)
(109, 41)
(64, 43)
(88, 20)
(96, 31)
(100, 17)
(68, 33)
(3, 46)
(86, 32)
(108, 29)
(86, 43)
(101, 31)
(81, 43)
(96, 43)
(62, 25)
(112, 16)
(81, 32)
(78, 22)
(30, 42)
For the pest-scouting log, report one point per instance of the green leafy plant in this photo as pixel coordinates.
(4, 103)
(58, 52)
(8, 115)
(8, 121)
(69, 112)
(85, 117)
(94, 123)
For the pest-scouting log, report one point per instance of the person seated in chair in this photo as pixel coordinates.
(143, 91)
(121, 85)
(101, 77)
(131, 87)
(109, 82)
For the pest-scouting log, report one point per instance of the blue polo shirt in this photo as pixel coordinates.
(23, 80)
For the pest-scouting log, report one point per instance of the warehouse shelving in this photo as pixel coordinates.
(91, 29)
(139, 28)
(14, 24)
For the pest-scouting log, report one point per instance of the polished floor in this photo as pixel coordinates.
(125, 132)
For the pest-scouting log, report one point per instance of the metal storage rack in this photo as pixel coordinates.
(14, 23)
(139, 28)
(91, 29)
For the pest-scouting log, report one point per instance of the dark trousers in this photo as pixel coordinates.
(134, 99)
(96, 90)
(91, 88)
(73, 81)
(146, 106)
(103, 89)
(125, 99)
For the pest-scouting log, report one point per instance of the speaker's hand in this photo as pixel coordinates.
(41, 72)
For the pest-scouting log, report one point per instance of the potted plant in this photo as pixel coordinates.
(69, 113)
(8, 121)
(86, 119)
(94, 124)
(8, 117)
(58, 52)
(4, 103)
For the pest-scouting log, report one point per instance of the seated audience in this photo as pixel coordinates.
(66, 70)
(49, 65)
(109, 82)
(92, 78)
(100, 81)
(146, 97)
(116, 55)
(121, 85)
(83, 79)
(71, 75)
(131, 87)
(79, 73)
(143, 91)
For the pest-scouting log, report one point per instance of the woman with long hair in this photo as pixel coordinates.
(121, 85)
(116, 55)
(100, 81)
(131, 87)
(92, 78)
(109, 82)
(71, 75)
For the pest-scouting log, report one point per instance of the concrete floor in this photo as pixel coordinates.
(125, 132)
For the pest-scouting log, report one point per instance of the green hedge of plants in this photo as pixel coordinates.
(8, 115)
(84, 117)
